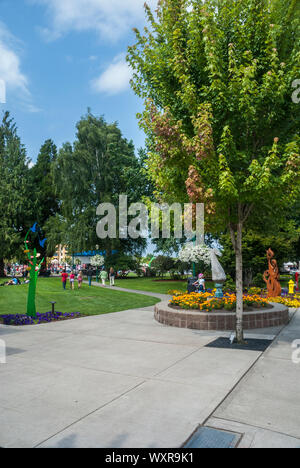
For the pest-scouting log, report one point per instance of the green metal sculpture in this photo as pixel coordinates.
(34, 268)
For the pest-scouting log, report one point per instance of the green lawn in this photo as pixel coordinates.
(153, 285)
(87, 301)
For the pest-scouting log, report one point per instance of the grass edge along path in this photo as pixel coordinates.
(87, 301)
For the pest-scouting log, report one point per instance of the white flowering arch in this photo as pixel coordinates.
(195, 254)
(97, 261)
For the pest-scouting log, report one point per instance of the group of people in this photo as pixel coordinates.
(65, 276)
(105, 276)
(14, 282)
(72, 278)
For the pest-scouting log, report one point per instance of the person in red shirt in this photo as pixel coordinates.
(64, 278)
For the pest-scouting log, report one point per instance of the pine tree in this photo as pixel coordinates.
(45, 203)
(14, 193)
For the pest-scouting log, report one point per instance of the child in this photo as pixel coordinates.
(112, 276)
(72, 280)
(79, 279)
(200, 283)
(103, 276)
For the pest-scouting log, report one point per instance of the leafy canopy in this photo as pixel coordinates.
(216, 77)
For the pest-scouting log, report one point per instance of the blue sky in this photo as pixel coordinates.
(59, 57)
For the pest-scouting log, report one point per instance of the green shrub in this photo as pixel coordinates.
(229, 285)
(258, 281)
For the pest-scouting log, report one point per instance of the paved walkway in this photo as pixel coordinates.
(265, 406)
(162, 297)
(124, 380)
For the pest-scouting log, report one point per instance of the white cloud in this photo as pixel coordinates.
(111, 19)
(115, 79)
(10, 69)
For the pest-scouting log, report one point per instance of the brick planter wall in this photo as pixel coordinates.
(198, 320)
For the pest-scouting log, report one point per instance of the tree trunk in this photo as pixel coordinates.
(236, 233)
(239, 285)
(2, 274)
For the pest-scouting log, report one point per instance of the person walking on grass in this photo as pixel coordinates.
(103, 276)
(79, 279)
(72, 280)
(64, 277)
(112, 276)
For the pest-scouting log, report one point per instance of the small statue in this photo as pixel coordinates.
(271, 276)
(218, 273)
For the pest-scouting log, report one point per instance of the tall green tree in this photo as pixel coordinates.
(14, 193)
(216, 77)
(45, 202)
(97, 168)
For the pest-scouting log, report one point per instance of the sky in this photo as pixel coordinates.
(59, 57)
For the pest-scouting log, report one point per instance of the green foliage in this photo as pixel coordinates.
(44, 202)
(97, 168)
(216, 77)
(122, 262)
(163, 264)
(14, 193)
(255, 246)
(258, 281)
(217, 83)
(229, 285)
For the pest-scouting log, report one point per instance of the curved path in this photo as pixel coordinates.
(162, 297)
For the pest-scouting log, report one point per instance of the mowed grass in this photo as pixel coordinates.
(88, 301)
(151, 285)
(154, 285)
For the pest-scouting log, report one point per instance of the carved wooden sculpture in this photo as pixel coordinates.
(271, 276)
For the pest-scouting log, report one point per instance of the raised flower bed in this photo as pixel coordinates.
(202, 312)
(206, 302)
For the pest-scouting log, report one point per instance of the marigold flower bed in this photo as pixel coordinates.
(293, 303)
(205, 302)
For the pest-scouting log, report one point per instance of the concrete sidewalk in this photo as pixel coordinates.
(124, 380)
(265, 406)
